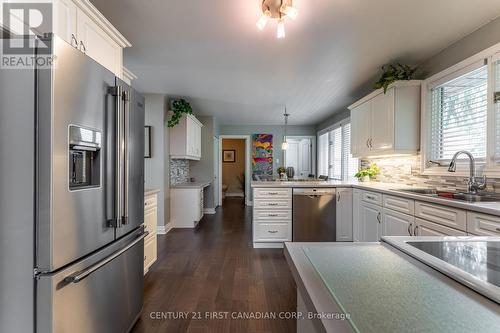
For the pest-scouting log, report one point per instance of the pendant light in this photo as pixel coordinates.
(284, 145)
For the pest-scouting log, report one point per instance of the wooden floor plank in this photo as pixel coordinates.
(215, 269)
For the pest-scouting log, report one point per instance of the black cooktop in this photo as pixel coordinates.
(479, 258)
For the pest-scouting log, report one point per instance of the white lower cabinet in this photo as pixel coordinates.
(344, 215)
(426, 228)
(397, 224)
(150, 225)
(482, 224)
(272, 217)
(370, 222)
(356, 215)
(186, 207)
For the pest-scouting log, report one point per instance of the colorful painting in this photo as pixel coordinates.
(262, 162)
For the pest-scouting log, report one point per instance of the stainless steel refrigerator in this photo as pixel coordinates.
(71, 196)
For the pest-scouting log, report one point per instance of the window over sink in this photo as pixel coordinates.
(461, 111)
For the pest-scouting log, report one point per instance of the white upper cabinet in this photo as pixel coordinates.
(80, 24)
(383, 124)
(185, 139)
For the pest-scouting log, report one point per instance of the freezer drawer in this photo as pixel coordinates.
(109, 299)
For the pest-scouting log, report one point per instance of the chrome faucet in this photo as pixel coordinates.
(473, 183)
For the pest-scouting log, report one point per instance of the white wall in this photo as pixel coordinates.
(157, 171)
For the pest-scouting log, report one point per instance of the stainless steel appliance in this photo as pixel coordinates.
(71, 196)
(473, 261)
(314, 215)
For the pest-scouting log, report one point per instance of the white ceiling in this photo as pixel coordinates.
(212, 52)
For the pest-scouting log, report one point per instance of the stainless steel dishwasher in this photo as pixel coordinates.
(314, 213)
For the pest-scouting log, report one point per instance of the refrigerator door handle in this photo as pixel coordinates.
(126, 137)
(80, 275)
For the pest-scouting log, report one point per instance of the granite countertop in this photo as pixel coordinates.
(199, 185)
(151, 191)
(492, 208)
(384, 290)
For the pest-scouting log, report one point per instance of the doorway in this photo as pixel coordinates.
(301, 155)
(234, 167)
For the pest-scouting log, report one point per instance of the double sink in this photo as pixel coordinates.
(460, 196)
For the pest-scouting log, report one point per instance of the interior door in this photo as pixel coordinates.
(216, 171)
(133, 189)
(305, 157)
(382, 123)
(370, 220)
(72, 221)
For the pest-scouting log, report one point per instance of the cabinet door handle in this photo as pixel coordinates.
(378, 218)
(83, 48)
(338, 197)
(371, 146)
(415, 231)
(367, 143)
(409, 229)
(73, 39)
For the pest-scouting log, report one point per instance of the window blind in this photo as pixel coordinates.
(496, 110)
(334, 148)
(351, 164)
(336, 153)
(459, 115)
(323, 162)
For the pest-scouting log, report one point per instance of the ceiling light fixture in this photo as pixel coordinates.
(284, 145)
(277, 10)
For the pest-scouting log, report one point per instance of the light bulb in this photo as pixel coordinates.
(289, 11)
(284, 145)
(261, 23)
(281, 29)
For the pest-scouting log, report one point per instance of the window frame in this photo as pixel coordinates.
(487, 166)
(327, 131)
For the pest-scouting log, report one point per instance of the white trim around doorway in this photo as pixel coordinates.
(248, 171)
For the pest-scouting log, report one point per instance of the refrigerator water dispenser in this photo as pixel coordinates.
(84, 158)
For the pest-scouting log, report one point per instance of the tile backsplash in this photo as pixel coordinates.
(179, 171)
(406, 170)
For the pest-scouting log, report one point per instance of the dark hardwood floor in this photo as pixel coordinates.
(215, 269)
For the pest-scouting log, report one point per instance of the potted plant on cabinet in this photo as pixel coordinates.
(364, 175)
(392, 73)
(179, 107)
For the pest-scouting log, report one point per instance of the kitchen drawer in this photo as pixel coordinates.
(150, 218)
(372, 197)
(272, 232)
(284, 193)
(399, 204)
(272, 203)
(426, 228)
(447, 216)
(483, 224)
(150, 202)
(150, 253)
(284, 215)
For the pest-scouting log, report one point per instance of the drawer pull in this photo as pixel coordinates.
(272, 215)
(370, 197)
(272, 204)
(273, 193)
(272, 231)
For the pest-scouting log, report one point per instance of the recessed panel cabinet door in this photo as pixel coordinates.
(97, 44)
(382, 121)
(361, 130)
(370, 222)
(344, 215)
(65, 21)
(397, 224)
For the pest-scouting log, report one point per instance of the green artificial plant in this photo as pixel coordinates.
(392, 73)
(281, 170)
(371, 171)
(179, 107)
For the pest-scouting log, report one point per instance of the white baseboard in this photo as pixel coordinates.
(163, 229)
(239, 195)
(209, 211)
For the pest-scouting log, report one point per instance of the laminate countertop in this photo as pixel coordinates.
(381, 289)
(192, 185)
(492, 208)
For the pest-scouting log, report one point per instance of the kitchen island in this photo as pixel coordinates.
(373, 287)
